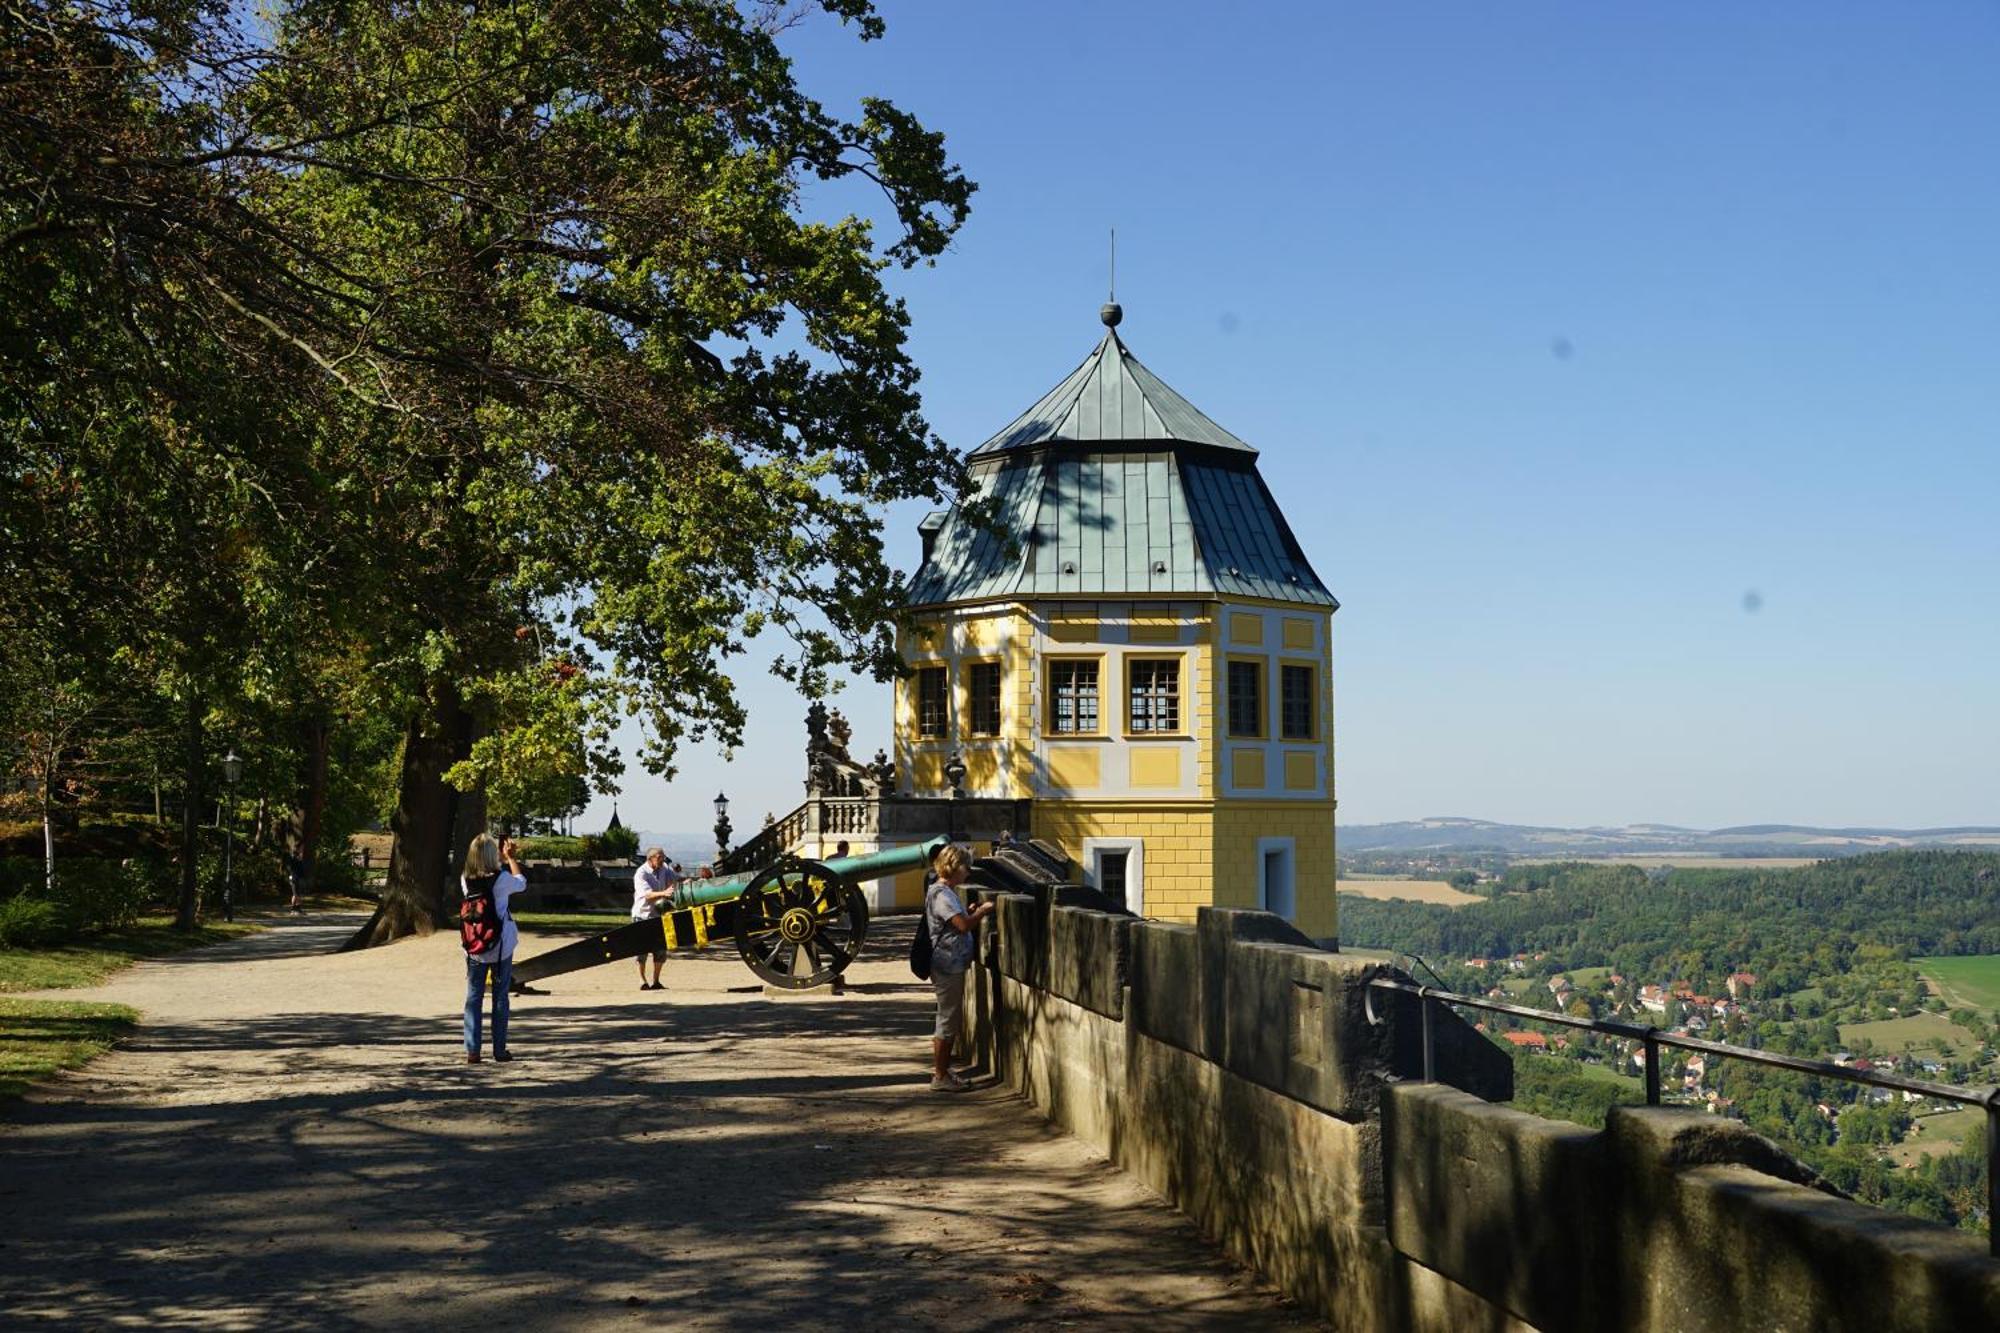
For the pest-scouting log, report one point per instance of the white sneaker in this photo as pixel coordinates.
(949, 1083)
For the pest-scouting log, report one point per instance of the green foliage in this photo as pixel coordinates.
(1563, 1090)
(1788, 926)
(32, 923)
(496, 370)
(553, 848)
(619, 844)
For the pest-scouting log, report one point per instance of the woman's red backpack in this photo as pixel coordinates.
(479, 916)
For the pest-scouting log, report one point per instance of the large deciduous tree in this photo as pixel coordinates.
(581, 393)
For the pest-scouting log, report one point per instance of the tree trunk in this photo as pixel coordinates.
(432, 825)
(191, 763)
(317, 739)
(49, 831)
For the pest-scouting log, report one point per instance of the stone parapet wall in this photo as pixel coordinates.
(1233, 1068)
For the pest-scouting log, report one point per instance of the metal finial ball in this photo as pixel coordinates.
(1111, 313)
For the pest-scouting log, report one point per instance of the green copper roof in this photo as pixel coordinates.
(1108, 524)
(1111, 397)
(1115, 485)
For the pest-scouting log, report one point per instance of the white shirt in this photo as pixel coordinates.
(504, 888)
(647, 880)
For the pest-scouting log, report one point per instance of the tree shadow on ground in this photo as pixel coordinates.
(724, 1166)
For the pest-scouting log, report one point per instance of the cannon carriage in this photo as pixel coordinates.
(797, 923)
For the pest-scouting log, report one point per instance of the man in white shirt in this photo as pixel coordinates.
(652, 893)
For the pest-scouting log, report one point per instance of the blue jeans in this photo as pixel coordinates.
(475, 986)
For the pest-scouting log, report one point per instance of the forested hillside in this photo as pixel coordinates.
(1815, 961)
(1788, 926)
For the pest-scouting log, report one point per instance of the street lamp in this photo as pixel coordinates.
(721, 826)
(232, 769)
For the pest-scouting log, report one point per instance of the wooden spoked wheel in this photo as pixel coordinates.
(800, 924)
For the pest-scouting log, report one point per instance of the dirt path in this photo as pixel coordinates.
(293, 1141)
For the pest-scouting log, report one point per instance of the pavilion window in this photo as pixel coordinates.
(1246, 699)
(933, 711)
(1295, 703)
(983, 698)
(1073, 698)
(1154, 694)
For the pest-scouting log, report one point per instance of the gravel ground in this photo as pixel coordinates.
(292, 1140)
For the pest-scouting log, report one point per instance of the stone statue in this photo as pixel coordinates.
(830, 769)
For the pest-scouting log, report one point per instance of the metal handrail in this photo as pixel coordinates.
(1652, 1039)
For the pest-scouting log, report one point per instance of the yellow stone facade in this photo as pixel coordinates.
(1202, 812)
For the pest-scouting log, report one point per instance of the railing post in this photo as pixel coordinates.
(1424, 1002)
(1993, 1173)
(1652, 1041)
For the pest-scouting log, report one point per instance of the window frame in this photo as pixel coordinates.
(1051, 661)
(918, 674)
(1262, 667)
(971, 668)
(1311, 668)
(1179, 730)
(1286, 849)
(1135, 868)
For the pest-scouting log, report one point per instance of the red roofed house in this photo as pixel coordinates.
(1532, 1041)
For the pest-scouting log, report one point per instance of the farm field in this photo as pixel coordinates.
(1965, 981)
(1935, 1134)
(1918, 1032)
(1650, 860)
(1410, 890)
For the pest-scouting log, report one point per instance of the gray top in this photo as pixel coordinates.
(950, 951)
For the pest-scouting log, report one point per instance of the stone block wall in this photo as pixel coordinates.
(1233, 1068)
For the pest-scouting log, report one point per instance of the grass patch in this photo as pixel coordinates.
(591, 923)
(1933, 1135)
(88, 960)
(1589, 978)
(40, 1037)
(1965, 981)
(1605, 1073)
(1917, 1032)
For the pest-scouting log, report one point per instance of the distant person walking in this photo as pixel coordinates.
(653, 885)
(952, 947)
(484, 875)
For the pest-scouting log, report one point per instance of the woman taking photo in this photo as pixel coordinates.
(484, 876)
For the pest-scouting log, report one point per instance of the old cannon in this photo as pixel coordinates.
(798, 923)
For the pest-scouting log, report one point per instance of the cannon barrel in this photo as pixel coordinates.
(854, 869)
(797, 923)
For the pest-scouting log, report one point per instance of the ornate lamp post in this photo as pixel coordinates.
(232, 769)
(721, 826)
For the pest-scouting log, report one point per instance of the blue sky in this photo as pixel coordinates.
(1562, 328)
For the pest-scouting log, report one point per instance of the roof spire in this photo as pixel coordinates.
(1111, 312)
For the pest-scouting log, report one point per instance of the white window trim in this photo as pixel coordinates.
(1288, 846)
(1135, 868)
